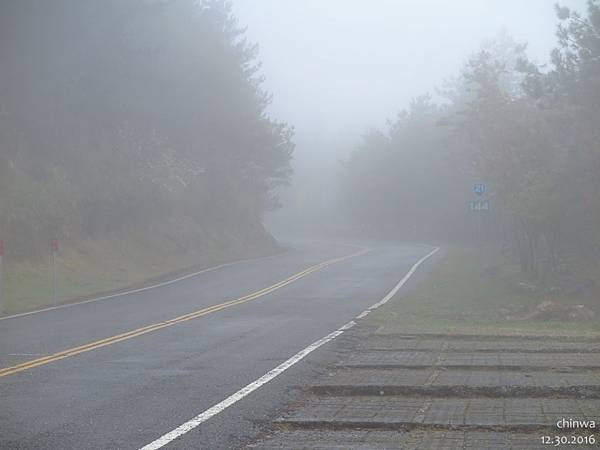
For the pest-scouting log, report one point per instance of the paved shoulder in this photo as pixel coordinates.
(451, 392)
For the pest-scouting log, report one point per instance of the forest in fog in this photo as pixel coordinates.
(126, 117)
(530, 133)
(121, 118)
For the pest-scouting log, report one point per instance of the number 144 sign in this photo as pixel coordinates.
(479, 206)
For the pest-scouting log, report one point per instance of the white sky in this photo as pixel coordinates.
(337, 65)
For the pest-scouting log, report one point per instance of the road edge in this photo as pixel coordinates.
(248, 389)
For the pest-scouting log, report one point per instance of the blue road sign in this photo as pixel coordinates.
(479, 206)
(479, 188)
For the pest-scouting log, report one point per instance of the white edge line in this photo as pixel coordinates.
(216, 409)
(234, 398)
(403, 281)
(142, 289)
(363, 314)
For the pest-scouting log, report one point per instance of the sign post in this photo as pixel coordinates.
(53, 255)
(479, 206)
(1, 276)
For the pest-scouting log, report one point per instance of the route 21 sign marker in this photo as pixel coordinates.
(479, 188)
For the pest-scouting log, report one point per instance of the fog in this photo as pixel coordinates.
(338, 68)
(344, 66)
(232, 125)
(391, 206)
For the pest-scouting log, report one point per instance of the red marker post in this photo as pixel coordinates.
(1, 276)
(54, 251)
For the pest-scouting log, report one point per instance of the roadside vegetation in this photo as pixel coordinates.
(89, 268)
(136, 134)
(473, 293)
(529, 132)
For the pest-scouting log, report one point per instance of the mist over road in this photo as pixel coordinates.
(127, 393)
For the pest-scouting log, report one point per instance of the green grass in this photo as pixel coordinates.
(470, 293)
(91, 267)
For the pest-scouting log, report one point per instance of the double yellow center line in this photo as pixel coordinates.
(168, 323)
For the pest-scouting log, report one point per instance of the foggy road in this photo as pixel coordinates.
(145, 139)
(132, 373)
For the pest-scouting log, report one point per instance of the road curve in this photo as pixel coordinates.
(69, 380)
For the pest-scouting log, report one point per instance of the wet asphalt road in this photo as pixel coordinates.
(127, 394)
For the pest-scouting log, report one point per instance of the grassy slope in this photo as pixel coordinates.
(90, 267)
(467, 293)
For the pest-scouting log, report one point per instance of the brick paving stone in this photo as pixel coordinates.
(522, 359)
(378, 342)
(473, 440)
(450, 393)
(407, 358)
(551, 379)
(397, 440)
(362, 377)
(477, 412)
(458, 377)
(486, 337)
(332, 409)
(325, 440)
(429, 358)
